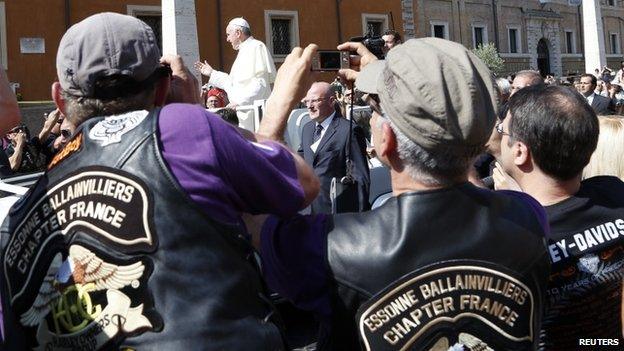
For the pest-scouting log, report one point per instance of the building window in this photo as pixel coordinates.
(513, 33)
(152, 16)
(614, 40)
(282, 32)
(479, 35)
(374, 28)
(611, 2)
(3, 40)
(374, 24)
(439, 30)
(280, 36)
(570, 42)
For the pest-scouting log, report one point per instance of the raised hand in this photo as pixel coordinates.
(363, 58)
(183, 87)
(203, 67)
(293, 80)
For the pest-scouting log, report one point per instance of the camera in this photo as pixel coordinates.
(20, 128)
(374, 44)
(330, 60)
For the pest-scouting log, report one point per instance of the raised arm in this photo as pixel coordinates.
(9, 112)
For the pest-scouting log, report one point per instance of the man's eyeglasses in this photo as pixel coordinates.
(499, 129)
(313, 101)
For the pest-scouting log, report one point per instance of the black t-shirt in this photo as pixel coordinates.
(586, 249)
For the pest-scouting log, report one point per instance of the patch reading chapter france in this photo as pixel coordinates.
(111, 206)
(80, 292)
(444, 300)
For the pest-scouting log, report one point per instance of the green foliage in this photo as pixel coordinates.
(489, 55)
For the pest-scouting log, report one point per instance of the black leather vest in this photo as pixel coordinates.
(430, 267)
(107, 251)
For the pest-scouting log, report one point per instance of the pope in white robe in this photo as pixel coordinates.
(253, 70)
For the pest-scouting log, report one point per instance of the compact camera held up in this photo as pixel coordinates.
(374, 44)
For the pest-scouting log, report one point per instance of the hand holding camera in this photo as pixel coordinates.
(183, 85)
(363, 58)
(20, 137)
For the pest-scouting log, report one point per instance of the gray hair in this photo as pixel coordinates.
(534, 76)
(437, 168)
(503, 86)
(246, 31)
(80, 109)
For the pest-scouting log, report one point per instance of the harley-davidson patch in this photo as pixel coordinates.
(83, 302)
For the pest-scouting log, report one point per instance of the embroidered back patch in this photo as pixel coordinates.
(111, 129)
(112, 206)
(73, 146)
(82, 293)
(446, 300)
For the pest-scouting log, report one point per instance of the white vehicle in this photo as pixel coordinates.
(13, 188)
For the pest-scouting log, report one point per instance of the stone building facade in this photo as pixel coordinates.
(541, 35)
(538, 34)
(281, 24)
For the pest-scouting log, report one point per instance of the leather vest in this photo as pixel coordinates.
(108, 251)
(460, 264)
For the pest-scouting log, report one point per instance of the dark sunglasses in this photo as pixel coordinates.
(65, 133)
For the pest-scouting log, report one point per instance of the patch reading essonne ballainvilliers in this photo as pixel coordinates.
(423, 303)
(109, 205)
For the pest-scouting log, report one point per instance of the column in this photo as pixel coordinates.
(422, 27)
(407, 12)
(179, 31)
(534, 34)
(593, 36)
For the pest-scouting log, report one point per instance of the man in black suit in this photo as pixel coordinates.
(601, 105)
(324, 146)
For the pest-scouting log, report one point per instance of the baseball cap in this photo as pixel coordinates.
(103, 45)
(437, 93)
(239, 21)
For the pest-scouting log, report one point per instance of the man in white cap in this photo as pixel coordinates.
(252, 72)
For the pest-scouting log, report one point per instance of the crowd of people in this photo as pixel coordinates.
(603, 83)
(159, 225)
(23, 153)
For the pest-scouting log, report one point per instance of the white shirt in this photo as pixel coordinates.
(325, 125)
(590, 98)
(251, 75)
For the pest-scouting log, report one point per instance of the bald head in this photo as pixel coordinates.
(321, 87)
